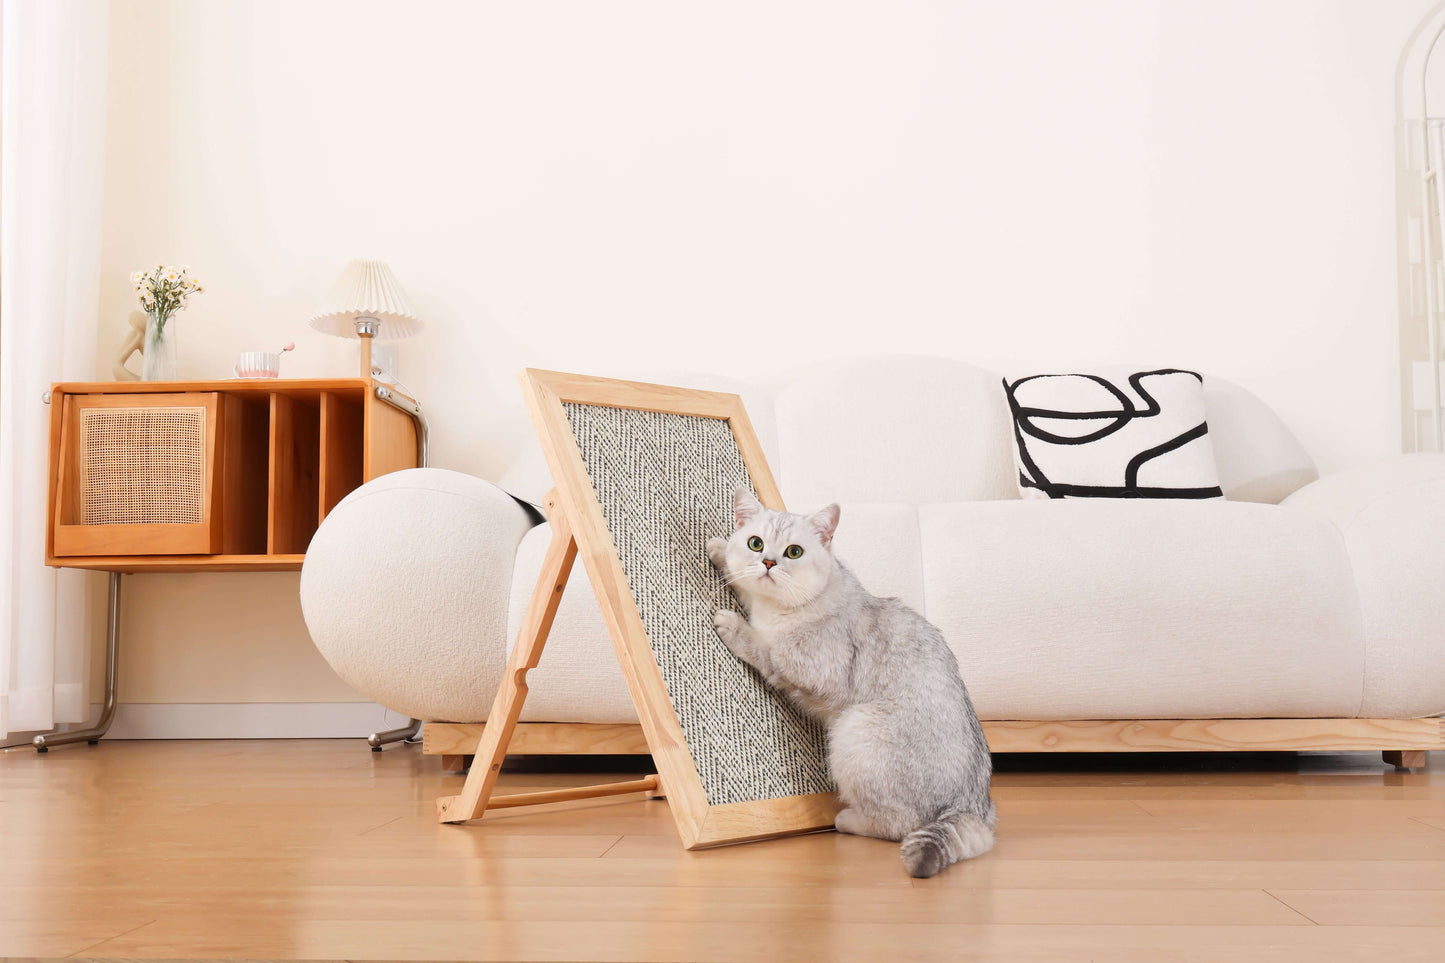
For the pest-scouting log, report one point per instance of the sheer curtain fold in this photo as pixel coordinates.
(52, 162)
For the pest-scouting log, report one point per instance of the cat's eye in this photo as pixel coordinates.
(755, 543)
(793, 551)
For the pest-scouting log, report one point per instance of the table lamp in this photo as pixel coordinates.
(366, 302)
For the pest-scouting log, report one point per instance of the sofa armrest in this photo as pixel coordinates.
(406, 587)
(1391, 516)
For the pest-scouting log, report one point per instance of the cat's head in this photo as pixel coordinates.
(781, 556)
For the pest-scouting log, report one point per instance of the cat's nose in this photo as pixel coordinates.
(768, 563)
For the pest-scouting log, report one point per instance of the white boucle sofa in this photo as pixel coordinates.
(1298, 613)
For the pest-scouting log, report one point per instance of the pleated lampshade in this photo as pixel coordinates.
(367, 289)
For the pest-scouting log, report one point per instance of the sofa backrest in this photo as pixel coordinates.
(921, 430)
(918, 430)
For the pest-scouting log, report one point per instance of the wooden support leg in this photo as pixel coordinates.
(476, 794)
(454, 763)
(507, 706)
(1405, 758)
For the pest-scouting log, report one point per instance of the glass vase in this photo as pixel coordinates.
(160, 348)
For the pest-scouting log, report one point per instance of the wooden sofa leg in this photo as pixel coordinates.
(1405, 758)
(455, 763)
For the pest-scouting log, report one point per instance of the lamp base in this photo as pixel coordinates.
(367, 328)
(366, 356)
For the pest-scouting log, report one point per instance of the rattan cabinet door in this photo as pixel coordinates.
(137, 475)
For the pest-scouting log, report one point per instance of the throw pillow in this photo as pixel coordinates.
(1091, 436)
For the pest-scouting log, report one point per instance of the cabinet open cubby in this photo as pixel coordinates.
(263, 462)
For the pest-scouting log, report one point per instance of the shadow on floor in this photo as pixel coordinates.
(1025, 762)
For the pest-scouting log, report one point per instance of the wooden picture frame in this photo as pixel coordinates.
(580, 529)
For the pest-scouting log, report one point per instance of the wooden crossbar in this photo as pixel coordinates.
(647, 784)
(476, 795)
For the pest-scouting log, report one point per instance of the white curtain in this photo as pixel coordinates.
(52, 162)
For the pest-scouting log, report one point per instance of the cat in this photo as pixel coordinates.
(904, 743)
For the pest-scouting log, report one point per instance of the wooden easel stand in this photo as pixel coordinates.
(476, 796)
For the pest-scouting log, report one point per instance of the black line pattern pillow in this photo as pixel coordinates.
(1090, 436)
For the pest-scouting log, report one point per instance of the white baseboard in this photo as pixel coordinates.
(249, 720)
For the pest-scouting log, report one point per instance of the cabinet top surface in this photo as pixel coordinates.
(223, 384)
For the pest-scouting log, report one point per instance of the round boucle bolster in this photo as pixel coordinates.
(405, 589)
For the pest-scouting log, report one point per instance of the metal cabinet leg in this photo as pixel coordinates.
(407, 732)
(107, 713)
(404, 734)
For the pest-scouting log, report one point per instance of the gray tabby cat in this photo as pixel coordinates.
(904, 744)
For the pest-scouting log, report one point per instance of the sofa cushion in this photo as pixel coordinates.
(1392, 517)
(1258, 457)
(880, 544)
(1105, 609)
(578, 678)
(893, 430)
(1140, 434)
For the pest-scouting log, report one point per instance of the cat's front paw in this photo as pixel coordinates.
(716, 552)
(730, 627)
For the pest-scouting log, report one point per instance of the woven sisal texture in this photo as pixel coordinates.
(665, 483)
(142, 466)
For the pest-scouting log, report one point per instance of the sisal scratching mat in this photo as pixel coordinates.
(665, 483)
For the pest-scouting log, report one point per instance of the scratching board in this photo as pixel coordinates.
(644, 477)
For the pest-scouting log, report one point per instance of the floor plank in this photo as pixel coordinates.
(1353, 907)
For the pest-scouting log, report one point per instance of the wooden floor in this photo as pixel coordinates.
(323, 850)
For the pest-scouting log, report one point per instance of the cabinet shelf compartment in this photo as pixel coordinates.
(294, 474)
(342, 448)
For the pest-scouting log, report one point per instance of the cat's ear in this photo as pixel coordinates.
(745, 506)
(825, 522)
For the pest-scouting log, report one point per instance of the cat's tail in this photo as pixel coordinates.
(955, 835)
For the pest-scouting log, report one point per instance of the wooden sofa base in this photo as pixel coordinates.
(1404, 742)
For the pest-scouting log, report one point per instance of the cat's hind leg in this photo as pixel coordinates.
(854, 823)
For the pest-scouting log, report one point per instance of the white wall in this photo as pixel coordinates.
(738, 187)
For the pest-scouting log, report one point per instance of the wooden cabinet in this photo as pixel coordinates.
(211, 476)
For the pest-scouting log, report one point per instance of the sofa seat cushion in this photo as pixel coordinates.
(1076, 609)
(1102, 609)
